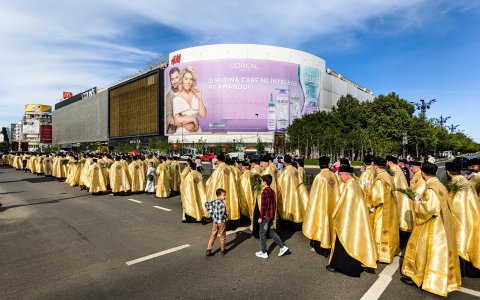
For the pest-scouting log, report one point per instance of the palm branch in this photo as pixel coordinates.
(456, 186)
(477, 187)
(407, 192)
(390, 171)
(256, 182)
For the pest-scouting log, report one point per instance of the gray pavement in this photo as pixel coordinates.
(57, 242)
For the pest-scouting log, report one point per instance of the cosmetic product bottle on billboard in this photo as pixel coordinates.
(310, 82)
(294, 106)
(271, 115)
(282, 109)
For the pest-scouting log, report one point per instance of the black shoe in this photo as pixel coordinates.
(184, 221)
(223, 252)
(209, 253)
(408, 281)
(330, 269)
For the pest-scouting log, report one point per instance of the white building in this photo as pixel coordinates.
(252, 91)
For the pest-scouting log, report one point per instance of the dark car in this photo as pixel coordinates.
(467, 160)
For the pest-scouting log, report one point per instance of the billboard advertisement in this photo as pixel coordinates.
(238, 95)
(31, 127)
(46, 134)
(39, 108)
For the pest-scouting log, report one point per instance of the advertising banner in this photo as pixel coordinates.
(238, 95)
(31, 128)
(39, 108)
(46, 134)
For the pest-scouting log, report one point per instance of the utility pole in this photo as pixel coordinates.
(257, 130)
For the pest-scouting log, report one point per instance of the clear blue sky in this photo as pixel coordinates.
(418, 49)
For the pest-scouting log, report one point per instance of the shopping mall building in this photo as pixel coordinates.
(229, 93)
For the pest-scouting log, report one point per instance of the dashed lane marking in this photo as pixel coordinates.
(163, 208)
(470, 292)
(133, 200)
(384, 278)
(141, 259)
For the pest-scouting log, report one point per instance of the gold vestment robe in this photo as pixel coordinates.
(273, 171)
(84, 172)
(246, 198)
(256, 170)
(293, 196)
(163, 181)
(318, 218)
(185, 172)
(236, 172)
(465, 209)
(431, 258)
(222, 177)
(192, 193)
(32, 164)
(351, 225)
(366, 181)
(417, 184)
(301, 175)
(385, 226)
(39, 164)
(475, 179)
(47, 166)
(96, 179)
(18, 164)
(119, 178)
(175, 178)
(137, 175)
(404, 204)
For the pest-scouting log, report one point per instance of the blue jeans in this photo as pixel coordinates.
(265, 227)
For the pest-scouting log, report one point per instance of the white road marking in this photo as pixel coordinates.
(441, 167)
(138, 260)
(237, 230)
(470, 292)
(384, 278)
(163, 208)
(111, 194)
(133, 200)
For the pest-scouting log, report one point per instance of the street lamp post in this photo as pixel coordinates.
(257, 128)
(181, 124)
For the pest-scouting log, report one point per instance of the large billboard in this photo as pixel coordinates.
(38, 108)
(238, 95)
(31, 127)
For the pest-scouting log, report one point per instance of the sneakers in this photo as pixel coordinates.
(261, 254)
(283, 250)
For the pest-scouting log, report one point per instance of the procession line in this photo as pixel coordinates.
(469, 291)
(384, 279)
(141, 259)
(163, 208)
(133, 200)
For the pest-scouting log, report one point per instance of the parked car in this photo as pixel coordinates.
(207, 156)
(187, 156)
(240, 156)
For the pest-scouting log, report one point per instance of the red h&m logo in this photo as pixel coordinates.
(67, 95)
(176, 59)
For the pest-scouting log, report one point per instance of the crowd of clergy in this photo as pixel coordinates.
(355, 222)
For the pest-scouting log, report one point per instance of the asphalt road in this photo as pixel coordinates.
(57, 242)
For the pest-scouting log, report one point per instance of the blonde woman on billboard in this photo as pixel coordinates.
(188, 103)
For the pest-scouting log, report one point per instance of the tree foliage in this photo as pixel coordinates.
(354, 128)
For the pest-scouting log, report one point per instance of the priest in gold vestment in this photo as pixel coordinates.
(293, 196)
(318, 218)
(163, 179)
(96, 179)
(431, 258)
(246, 198)
(119, 177)
(465, 208)
(366, 180)
(223, 178)
(193, 196)
(385, 224)
(137, 174)
(175, 176)
(353, 243)
(404, 204)
(417, 184)
(474, 167)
